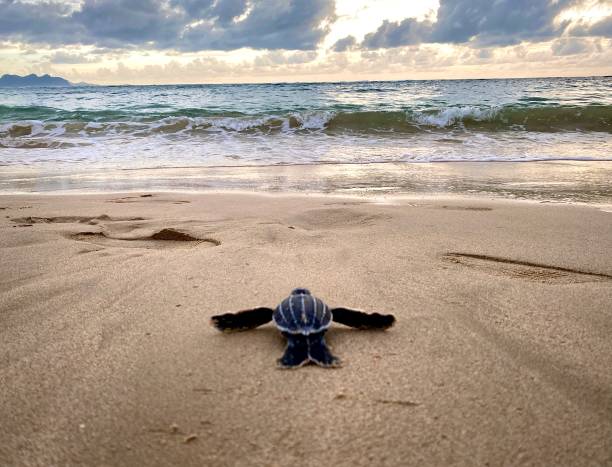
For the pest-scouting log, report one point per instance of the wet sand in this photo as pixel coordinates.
(501, 354)
(556, 181)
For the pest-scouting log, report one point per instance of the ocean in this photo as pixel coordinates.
(84, 129)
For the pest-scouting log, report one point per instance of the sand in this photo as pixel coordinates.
(501, 354)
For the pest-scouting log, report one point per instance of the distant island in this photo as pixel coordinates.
(32, 80)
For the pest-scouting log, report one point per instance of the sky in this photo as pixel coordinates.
(214, 41)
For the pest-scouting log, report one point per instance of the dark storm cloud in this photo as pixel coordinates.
(482, 23)
(113, 23)
(269, 24)
(408, 32)
(187, 25)
(344, 44)
(224, 11)
(228, 10)
(42, 22)
(504, 22)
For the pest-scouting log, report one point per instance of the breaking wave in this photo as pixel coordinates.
(39, 127)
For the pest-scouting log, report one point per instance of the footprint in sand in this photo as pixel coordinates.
(524, 270)
(165, 238)
(122, 234)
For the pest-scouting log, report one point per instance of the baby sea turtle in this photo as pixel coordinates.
(303, 319)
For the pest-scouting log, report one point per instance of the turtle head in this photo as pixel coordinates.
(300, 291)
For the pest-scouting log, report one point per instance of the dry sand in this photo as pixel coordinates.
(501, 355)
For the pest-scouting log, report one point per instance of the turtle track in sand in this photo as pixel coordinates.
(164, 238)
(144, 198)
(465, 208)
(73, 219)
(332, 218)
(526, 270)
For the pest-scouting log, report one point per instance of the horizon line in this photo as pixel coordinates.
(315, 81)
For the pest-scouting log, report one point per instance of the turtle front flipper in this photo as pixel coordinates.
(242, 320)
(296, 353)
(319, 353)
(361, 320)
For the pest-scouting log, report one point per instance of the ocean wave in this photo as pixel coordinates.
(91, 125)
(457, 115)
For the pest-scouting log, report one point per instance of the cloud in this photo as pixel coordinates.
(407, 32)
(344, 44)
(225, 11)
(186, 25)
(68, 58)
(116, 23)
(571, 46)
(482, 23)
(277, 58)
(427, 61)
(268, 24)
(45, 21)
(485, 53)
(602, 28)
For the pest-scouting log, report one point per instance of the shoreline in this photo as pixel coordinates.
(577, 181)
(392, 199)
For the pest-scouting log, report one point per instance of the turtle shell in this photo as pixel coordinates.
(302, 313)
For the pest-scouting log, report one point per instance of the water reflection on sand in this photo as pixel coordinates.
(576, 181)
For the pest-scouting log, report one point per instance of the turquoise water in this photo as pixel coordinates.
(80, 129)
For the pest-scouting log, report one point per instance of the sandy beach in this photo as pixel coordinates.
(501, 353)
(443, 165)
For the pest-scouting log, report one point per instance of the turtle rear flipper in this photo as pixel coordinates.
(361, 320)
(319, 353)
(242, 320)
(296, 353)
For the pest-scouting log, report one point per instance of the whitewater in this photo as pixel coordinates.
(84, 128)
